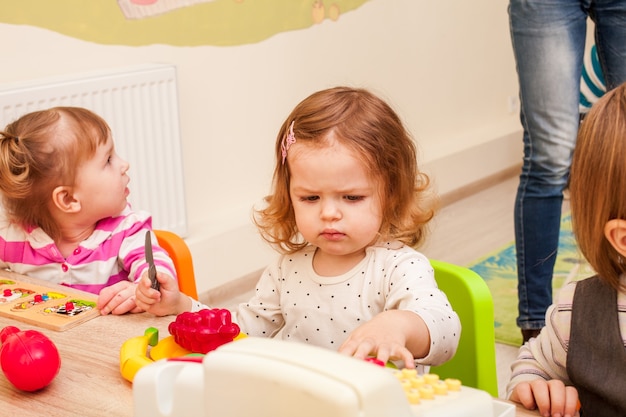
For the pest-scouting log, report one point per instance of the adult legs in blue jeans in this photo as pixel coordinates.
(548, 42)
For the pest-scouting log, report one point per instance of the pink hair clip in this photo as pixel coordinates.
(289, 140)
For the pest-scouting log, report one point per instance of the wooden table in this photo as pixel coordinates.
(89, 382)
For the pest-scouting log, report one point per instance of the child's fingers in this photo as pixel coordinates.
(543, 396)
(523, 394)
(106, 295)
(147, 297)
(107, 298)
(123, 301)
(361, 349)
(125, 306)
(382, 352)
(161, 302)
(403, 354)
(556, 390)
(571, 401)
(385, 352)
(357, 348)
(166, 282)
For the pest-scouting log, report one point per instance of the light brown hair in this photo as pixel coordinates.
(598, 182)
(41, 151)
(369, 127)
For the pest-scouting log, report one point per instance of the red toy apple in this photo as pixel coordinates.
(29, 360)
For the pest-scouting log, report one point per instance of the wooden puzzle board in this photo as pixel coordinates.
(54, 308)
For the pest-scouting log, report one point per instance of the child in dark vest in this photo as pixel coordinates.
(579, 358)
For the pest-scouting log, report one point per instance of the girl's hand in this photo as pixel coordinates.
(552, 397)
(118, 298)
(168, 300)
(393, 334)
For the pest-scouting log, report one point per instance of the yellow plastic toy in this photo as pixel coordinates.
(134, 353)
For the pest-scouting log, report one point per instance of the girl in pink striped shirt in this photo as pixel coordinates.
(65, 216)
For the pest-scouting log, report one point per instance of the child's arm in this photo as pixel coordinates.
(539, 376)
(552, 398)
(414, 306)
(393, 334)
(168, 300)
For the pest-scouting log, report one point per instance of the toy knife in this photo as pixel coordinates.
(150, 260)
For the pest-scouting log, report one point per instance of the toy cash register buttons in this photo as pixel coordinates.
(425, 387)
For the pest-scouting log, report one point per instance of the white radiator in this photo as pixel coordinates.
(140, 105)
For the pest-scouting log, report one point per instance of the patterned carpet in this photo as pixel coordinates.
(499, 271)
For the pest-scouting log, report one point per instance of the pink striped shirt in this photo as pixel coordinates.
(114, 252)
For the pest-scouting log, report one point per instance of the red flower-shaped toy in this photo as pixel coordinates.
(203, 331)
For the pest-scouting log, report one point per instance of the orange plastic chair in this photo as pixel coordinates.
(178, 250)
(475, 360)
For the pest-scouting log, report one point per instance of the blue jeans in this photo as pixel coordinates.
(548, 39)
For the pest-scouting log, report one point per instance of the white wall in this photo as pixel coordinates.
(445, 66)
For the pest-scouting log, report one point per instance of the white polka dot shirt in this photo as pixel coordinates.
(292, 302)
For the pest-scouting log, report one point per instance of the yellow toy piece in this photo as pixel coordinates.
(134, 353)
(168, 348)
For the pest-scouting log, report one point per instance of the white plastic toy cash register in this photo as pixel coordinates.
(271, 378)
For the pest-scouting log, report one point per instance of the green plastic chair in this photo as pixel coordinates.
(475, 360)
